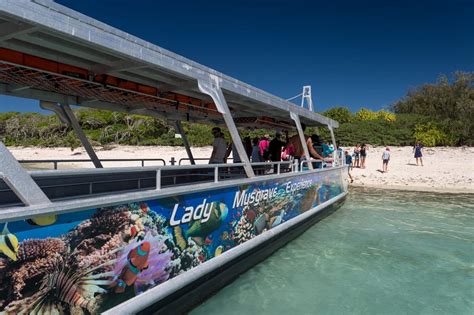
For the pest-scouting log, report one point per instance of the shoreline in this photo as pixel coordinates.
(414, 188)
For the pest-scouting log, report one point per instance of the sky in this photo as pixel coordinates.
(353, 53)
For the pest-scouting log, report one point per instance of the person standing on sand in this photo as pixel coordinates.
(385, 159)
(363, 155)
(356, 155)
(349, 164)
(418, 153)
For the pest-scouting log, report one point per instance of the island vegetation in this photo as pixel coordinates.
(439, 114)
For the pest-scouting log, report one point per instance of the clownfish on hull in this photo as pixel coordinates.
(137, 261)
(9, 244)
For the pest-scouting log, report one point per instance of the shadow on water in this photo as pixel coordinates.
(383, 252)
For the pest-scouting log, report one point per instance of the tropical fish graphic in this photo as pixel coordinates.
(179, 239)
(224, 235)
(43, 220)
(250, 215)
(137, 262)
(144, 207)
(218, 214)
(278, 219)
(218, 250)
(260, 223)
(8, 243)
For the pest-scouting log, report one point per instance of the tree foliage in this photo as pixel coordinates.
(340, 114)
(436, 114)
(450, 103)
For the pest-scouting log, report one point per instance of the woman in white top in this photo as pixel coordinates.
(219, 147)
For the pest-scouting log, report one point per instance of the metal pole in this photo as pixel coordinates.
(211, 87)
(185, 141)
(66, 115)
(81, 135)
(158, 178)
(333, 138)
(296, 119)
(15, 176)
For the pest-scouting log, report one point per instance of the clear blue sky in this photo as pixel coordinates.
(353, 53)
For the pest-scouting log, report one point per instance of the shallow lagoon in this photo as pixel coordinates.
(383, 252)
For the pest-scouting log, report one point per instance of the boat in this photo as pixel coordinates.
(141, 239)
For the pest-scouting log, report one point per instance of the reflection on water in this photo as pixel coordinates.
(383, 252)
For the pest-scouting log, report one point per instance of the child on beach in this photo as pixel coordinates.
(418, 153)
(349, 163)
(385, 159)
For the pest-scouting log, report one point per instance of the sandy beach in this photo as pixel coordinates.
(445, 169)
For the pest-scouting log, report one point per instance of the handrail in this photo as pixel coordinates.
(57, 161)
(196, 159)
(159, 169)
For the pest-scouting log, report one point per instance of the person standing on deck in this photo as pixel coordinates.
(274, 149)
(298, 148)
(256, 158)
(248, 146)
(417, 149)
(219, 147)
(255, 151)
(235, 154)
(263, 145)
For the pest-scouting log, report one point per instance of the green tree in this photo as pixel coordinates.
(448, 102)
(341, 114)
(366, 114)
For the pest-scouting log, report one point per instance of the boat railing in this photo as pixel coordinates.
(56, 162)
(329, 162)
(72, 183)
(180, 162)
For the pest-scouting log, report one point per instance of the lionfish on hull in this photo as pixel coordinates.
(65, 289)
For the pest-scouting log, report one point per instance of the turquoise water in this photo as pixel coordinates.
(383, 252)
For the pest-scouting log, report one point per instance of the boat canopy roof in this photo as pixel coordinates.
(52, 53)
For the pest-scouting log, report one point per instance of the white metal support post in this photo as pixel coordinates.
(185, 142)
(307, 96)
(66, 115)
(211, 87)
(19, 180)
(333, 138)
(296, 119)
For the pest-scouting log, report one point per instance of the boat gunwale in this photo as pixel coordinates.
(82, 204)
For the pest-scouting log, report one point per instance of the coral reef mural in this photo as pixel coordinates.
(87, 262)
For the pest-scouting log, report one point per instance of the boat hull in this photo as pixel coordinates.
(165, 253)
(182, 301)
